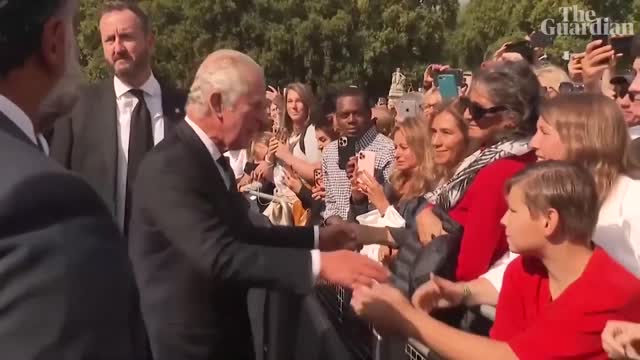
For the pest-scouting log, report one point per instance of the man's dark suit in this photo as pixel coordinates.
(65, 281)
(87, 141)
(195, 254)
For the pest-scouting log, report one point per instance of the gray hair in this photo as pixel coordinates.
(222, 72)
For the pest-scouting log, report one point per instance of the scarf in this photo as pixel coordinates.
(447, 195)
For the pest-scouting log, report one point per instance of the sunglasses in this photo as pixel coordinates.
(570, 88)
(476, 110)
(620, 91)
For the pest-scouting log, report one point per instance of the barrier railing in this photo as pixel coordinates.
(359, 336)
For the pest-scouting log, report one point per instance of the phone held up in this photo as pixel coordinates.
(346, 150)
(447, 86)
(317, 178)
(367, 162)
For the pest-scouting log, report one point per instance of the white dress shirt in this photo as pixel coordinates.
(215, 154)
(237, 160)
(22, 121)
(126, 103)
(617, 231)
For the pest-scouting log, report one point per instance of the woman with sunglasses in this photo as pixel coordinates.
(588, 129)
(501, 110)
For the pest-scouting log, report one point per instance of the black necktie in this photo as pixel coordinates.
(228, 171)
(140, 142)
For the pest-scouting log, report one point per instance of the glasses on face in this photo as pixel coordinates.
(570, 88)
(477, 111)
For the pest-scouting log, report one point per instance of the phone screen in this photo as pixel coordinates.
(447, 86)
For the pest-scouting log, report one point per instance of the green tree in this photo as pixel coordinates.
(327, 42)
(483, 22)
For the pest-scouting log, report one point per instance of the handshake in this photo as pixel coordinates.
(341, 265)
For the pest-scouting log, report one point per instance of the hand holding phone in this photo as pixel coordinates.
(346, 150)
(317, 178)
(597, 59)
(367, 162)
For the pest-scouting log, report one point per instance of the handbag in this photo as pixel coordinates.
(415, 261)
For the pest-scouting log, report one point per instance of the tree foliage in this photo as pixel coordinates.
(483, 22)
(326, 42)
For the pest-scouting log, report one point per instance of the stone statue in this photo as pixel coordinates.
(397, 84)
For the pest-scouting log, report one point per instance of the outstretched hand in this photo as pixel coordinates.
(386, 307)
(438, 293)
(351, 269)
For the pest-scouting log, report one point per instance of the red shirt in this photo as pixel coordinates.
(535, 327)
(479, 212)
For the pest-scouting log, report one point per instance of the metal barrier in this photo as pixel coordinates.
(359, 336)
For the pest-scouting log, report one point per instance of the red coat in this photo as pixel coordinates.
(480, 211)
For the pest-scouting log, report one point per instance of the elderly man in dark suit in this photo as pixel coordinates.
(118, 120)
(195, 253)
(65, 283)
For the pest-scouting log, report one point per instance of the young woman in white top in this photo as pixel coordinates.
(300, 153)
(588, 129)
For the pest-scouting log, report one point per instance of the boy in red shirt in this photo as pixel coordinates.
(556, 298)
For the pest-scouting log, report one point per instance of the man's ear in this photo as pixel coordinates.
(151, 42)
(215, 104)
(552, 222)
(54, 45)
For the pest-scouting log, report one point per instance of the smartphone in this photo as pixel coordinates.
(604, 38)
(367, 162)
(622, 45)
(522, 47)
(407, 108)
(346, 150)
(447, 86)
(249, 167)
(317, 177)
(457, 73)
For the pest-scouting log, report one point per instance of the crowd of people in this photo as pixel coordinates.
(135, 217)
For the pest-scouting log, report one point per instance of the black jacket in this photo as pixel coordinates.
(66, 286)
(195, 253)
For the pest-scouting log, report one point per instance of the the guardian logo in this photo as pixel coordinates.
(578, 22)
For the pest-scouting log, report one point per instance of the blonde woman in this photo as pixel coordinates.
(587, 129)
(300, 150)
(412, 176)
(550, 77)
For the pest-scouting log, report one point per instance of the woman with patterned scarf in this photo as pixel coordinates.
(501, 111)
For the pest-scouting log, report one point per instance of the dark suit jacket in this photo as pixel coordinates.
(86, 142)
(66, 285)
(195, 253)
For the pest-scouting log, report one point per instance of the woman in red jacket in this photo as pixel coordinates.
(501, 110)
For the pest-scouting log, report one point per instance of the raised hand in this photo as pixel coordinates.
(350, 269)
(620, 339)
(438, 293)
(597, 59)
(386, 307)
(369, 186)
